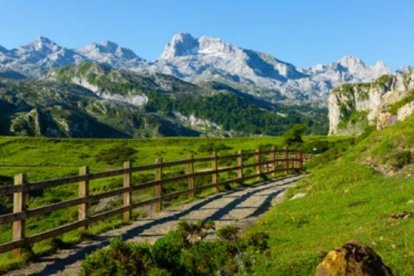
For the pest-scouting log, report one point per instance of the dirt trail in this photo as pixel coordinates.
(240, 207)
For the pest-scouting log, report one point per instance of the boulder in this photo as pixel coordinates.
(352, 259)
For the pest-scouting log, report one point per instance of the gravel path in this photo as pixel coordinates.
(240, 207)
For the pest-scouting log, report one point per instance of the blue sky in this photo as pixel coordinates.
(303, 32)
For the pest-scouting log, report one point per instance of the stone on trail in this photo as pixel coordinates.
(352, 259)
(298, 195)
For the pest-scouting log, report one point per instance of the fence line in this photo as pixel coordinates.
(267, 163)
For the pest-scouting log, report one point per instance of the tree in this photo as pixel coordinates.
(294, 134)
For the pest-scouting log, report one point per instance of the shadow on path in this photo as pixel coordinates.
(98, 242)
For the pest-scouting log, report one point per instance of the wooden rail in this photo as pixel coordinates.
(267, 164)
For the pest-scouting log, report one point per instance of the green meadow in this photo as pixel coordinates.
(48, 158)
(44, 158)
(348, 197)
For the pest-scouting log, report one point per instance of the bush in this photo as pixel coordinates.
(119, 259)
(178, 253)
(167, 250)
(399, 159)
(204, 258)
(294, 135)
(316, 147)
(211, 147)
(116, 155)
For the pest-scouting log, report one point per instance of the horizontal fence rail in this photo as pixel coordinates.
(267, 163)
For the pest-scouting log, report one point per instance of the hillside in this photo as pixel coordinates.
(58, 109)
(354, 107)
(91, 100)
(348, 196)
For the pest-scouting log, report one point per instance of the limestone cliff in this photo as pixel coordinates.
(353, 107)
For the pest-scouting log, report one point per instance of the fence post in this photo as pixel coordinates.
(190, 177)
(240, 165)
(300, 159)
(19, 205)
(158, 187)
(296, 161)
(83, 193)
(273, 160)
(258, 163)
(127, 194)
(286, 159)
(214, 175)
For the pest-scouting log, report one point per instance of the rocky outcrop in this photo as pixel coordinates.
(405, 111)
(34, 123)
(353, 259)
(54, 108)
(381, 103)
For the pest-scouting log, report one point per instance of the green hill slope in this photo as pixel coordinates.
(90, 100)
(358, 196)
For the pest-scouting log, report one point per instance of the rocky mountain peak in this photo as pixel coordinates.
(2, 49)
(180, 45)
(381, 68)
(405, 69)
(355, 65)
(184, 44)
(42, 41)
(209, 45)
(352, 63)
(40, 45)
(107, 48)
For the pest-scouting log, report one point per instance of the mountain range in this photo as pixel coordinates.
(95, 100)
(198, 60)
(198, 86)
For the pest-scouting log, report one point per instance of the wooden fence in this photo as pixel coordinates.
(267, 163)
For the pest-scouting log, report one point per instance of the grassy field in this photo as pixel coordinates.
(356, 191)
(44, 158)
(346, 199)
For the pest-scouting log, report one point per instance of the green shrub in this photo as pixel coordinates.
(119, 259)
(258, 241)
(178, 253)
(204, 258)
(167, 250)
(211, 147)
(116, 155)
(228, 233)
(316, 147)
(335, 150)
(294, 135)
(399, 159)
